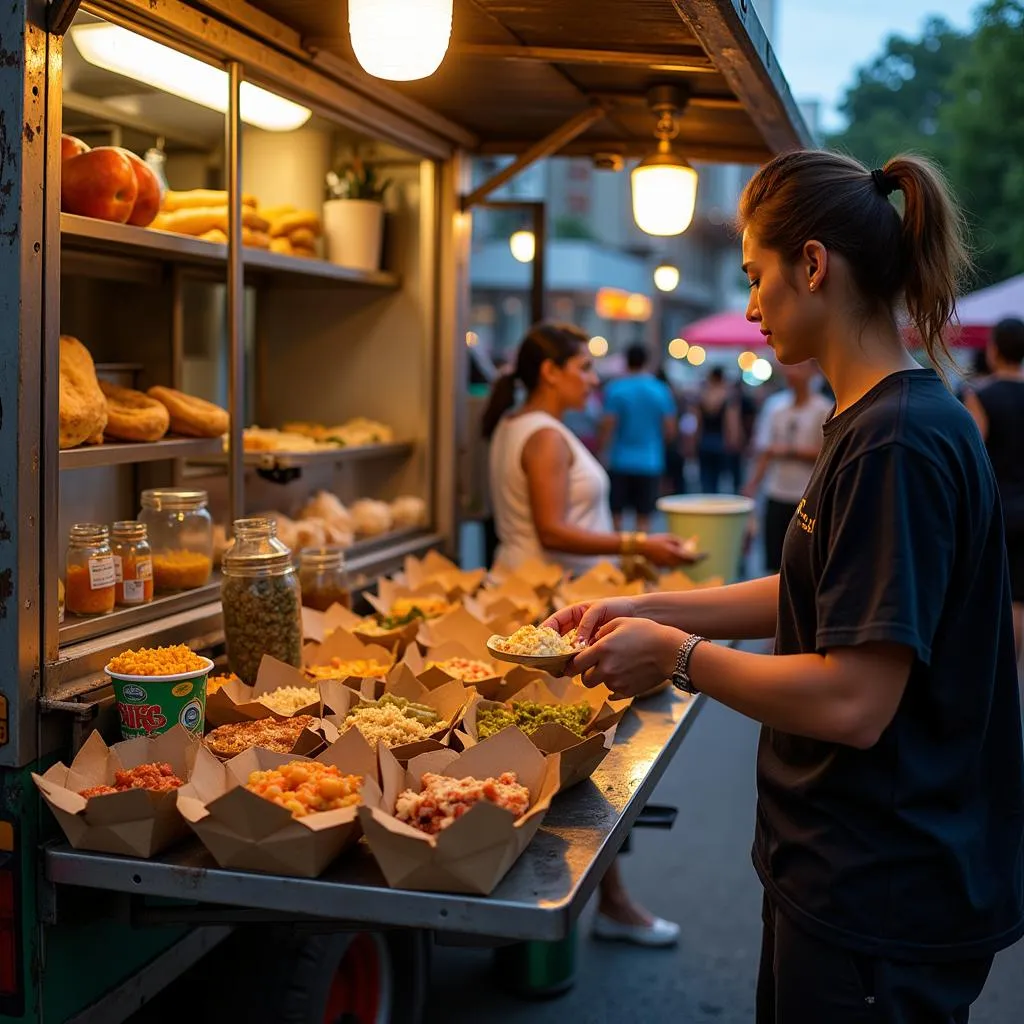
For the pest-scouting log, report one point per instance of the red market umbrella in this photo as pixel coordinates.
(982, 310)
(732, 329)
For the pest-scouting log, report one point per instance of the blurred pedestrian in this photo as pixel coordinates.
(674, 480)
(719, 432)
(787, 440)
(639, 420)
(997, 405)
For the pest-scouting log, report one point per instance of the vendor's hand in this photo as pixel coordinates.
(588, 617)
(630, 656)
(666, 550)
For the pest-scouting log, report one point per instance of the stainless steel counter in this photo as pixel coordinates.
(539, 898)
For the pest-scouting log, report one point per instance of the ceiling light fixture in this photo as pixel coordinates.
(664, 185)
(400, 40)
(126, 53)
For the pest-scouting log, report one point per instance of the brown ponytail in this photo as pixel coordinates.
(918, 259)
(544, 341)
(936, 260)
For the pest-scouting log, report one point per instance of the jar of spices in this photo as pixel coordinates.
(181, 537)
(133, 563)
(323, 578)
(90, 579)
(261, 599)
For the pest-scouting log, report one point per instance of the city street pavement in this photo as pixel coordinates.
(700, 875)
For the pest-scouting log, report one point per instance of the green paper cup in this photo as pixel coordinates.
(719, 521)
(149, 705)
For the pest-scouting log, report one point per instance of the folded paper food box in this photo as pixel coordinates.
(244, 831)
(475, 852)
(134, 823)
(235, 701)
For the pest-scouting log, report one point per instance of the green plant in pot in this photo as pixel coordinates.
(354, 215)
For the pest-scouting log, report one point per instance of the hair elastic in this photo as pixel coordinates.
(884, 182)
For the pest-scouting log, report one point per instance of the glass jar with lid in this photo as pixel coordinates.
(181, 537)
(89, 579)
(133, 563)
(261, 599)
(323, 578)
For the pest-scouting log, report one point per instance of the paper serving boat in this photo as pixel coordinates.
(235, 701)
(135, 823)
(242, 830)
(579, 755)
(474, 853)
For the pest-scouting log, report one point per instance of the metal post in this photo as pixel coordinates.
(538, 284)
(236, 285)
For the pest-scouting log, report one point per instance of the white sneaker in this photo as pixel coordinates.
(659, 933)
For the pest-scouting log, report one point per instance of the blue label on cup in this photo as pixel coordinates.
(191, 716)
(133, 692)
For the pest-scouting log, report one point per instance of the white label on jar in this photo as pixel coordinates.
(144, 569)
(134, 591)
(102, 573)
(118, 568)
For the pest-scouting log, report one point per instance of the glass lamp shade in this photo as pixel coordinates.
(664, 194)
(400, 40)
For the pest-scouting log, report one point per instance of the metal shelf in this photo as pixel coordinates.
(540, 897)
(74, 629)
(87, 234)
(119, 453)
(321, 457)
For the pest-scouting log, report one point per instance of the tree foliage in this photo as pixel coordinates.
(956, 97)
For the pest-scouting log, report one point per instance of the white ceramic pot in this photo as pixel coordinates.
(354, 231)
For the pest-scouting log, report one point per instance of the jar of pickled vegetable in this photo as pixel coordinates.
(90, 579)
(261, 599)
(323, 578)
(181, 537)
(133, 563)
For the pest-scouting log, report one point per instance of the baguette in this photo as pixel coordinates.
(289, 222)
(281, 245)
(199, 197)
(303, 238)
(199, 220)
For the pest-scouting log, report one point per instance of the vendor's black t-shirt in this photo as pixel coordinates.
(911, 849)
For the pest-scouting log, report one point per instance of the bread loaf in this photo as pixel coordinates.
(198, 197)
(83, 409)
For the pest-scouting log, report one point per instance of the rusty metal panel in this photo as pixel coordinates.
(23, 64)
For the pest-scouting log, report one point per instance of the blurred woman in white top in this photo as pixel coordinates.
(550, 501)
(549, 494)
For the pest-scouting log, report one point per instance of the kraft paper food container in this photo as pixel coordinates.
(578, 756)
(317, 625)
(238, 702)
(594, 589)
(543, 576)
(460, 626)
(388, 592)
(474, 853)
(243, 831)
(679, 580)
(432, 675)
(309, 742)
(435, 568)
(341, 644)
(449, 701)
(135, 823)
(148, 705)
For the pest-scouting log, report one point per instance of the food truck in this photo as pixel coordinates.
(303, 272)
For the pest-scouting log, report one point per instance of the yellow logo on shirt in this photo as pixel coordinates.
(805, 521)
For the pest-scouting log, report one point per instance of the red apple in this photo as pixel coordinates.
(147, 200)
(70, 146)
(100, 183)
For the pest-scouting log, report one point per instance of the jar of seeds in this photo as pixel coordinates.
(261, 599)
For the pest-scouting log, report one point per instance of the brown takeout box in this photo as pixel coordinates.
(341, 644)
(543, 576)
(237, 702)
(435, 568)
(579, 756)
(474, 853)
(319, 626)
(679, 580)
(243, 831)
(460, 626)
(388, 592)
(434, 676)
(135, 823)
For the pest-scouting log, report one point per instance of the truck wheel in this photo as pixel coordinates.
(354, 978)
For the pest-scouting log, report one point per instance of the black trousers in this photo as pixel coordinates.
(777, 517)
(803, 980)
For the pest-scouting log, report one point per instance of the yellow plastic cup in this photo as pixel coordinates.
(718, 521)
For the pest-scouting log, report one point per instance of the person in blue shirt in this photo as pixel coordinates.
(640, 418)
